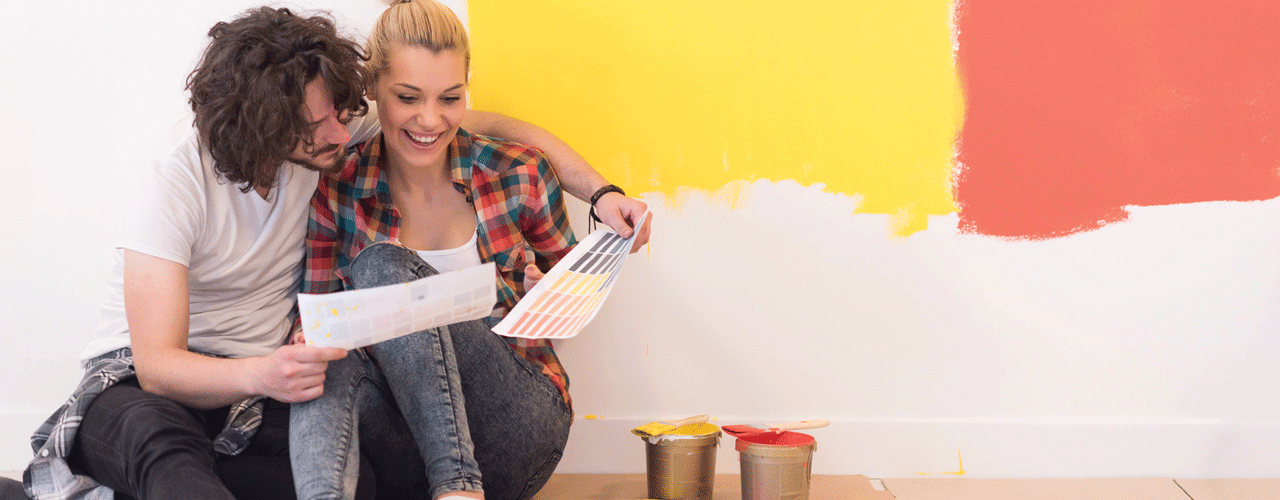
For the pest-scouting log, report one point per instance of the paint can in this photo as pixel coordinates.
(681, 464)
(776, 466)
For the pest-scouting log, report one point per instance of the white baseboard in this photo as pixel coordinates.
(924, 448)
(1010, 449)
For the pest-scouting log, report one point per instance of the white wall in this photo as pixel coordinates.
(1143, 348)
(89, 90)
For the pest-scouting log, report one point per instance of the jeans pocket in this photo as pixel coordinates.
(540, 476)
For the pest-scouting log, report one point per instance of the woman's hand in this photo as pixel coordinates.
(532, 275)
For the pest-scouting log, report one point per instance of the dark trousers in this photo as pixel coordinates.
(147, 446)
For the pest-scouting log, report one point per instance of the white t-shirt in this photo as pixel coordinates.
(244, 254)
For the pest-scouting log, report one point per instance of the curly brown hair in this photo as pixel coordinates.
(248, 91)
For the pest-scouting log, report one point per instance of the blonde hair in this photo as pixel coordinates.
(423, 23)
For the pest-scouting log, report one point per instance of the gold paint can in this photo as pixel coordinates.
(776, 467)
(681, 464)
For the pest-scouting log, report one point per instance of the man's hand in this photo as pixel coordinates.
(620, 213)
(294, 373)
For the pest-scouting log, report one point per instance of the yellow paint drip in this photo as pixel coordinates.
(862, 96)
(592, 417)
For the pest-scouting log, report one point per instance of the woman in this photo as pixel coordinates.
(489, 415)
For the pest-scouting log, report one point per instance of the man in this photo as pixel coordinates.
(188, 378)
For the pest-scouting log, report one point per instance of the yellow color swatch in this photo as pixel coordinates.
(859, 95)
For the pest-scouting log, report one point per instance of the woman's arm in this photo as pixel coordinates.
(321, 262)
(543, 222)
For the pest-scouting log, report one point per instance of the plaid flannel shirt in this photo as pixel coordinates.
(48, 477)
(519, 207)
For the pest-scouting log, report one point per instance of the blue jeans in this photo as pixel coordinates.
(482, 416)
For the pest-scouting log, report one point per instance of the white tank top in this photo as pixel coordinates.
(453, 259)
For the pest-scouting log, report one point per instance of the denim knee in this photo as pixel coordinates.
(387, 263)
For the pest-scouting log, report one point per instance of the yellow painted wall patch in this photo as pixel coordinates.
(861, 96)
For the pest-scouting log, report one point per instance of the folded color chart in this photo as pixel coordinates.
(571, 293)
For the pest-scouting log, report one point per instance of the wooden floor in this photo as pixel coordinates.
(727, 487)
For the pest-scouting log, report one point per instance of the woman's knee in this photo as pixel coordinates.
(476, 343)
(386, 263)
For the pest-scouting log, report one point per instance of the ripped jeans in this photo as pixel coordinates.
(480, 416)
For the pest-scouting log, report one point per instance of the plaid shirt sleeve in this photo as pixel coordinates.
(545, 223)
(322, 246)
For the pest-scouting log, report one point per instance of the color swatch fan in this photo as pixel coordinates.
(570, 295)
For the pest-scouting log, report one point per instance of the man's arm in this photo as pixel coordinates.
(156, 305)
(576, 175)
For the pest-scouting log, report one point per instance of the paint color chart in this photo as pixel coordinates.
(357, 318)
(570, 295)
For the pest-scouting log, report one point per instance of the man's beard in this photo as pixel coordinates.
(313, 162)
